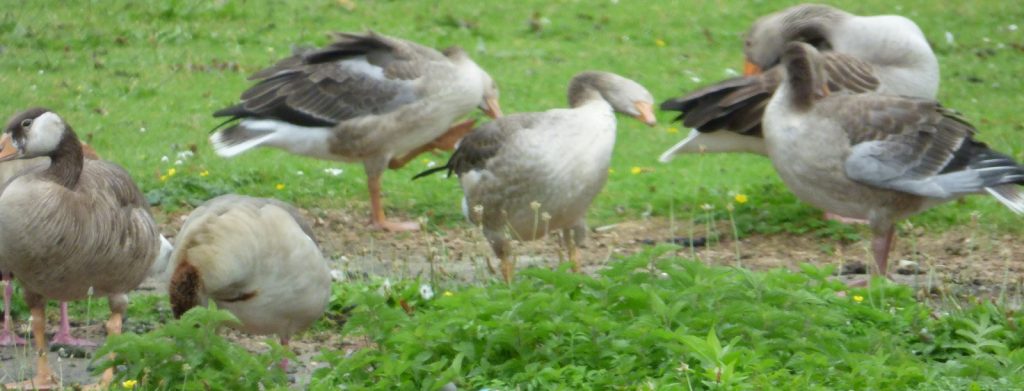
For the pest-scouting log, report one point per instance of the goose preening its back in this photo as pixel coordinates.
(518, 168)
(74, 228)
(884, 54)
(254, 257)
(874, 156)
(365, 97)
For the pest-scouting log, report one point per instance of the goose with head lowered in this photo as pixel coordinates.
(255, 257)
(873, 156)
(365, 97)
(77, 227)
(885, 54)
(518, 168)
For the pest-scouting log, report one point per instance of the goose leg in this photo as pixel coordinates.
(880, 246)
(63, 336)
(445, 142)
(377, 218)
(7, 336)
(118, 304)
(284, 361)
(503, 249)
(842, 219)
(44, 379)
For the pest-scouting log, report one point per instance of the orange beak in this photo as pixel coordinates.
(7, 149)
(750, 68)
(646, 113)
(491, 108)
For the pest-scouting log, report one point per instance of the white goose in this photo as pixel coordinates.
(555, 160)
(366, 97)
(873, 156)
(75, 227)
(885, 54)
(254, 257)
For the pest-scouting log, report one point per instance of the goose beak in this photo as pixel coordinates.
(646, 115)
(7, 149)
(750, 68)
(491, 108)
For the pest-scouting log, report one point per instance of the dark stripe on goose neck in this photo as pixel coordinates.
(67, 161)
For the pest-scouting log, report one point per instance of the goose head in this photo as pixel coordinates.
(624, 95)
(33, 133)
(805, 74)
(767, 38)
(489, 89)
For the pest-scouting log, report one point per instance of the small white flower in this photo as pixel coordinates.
(41, 71)
(142, 129)
(89, 292)
(299, 173)
(695, 79)
(386, 287)
(178, 162)
(1012, 27)
(426, 292)
(333, 171)
(183, 155)
(431, 164)
(949, 37)
(731, 72)
(165, 159)
(337, 275)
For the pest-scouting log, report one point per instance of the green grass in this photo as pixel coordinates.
(647, 322)
(115, 67)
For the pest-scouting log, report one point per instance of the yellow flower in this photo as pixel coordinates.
(635, 170)
(280, 186)
(741, 198)
(129, 384)
(672, 130)
(659, 42)
(858, 298)
(171, 171)
(204, 173)
(163, 178)
(611, 170)
(448, 294)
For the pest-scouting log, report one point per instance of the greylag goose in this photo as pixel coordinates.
(873, 156)
(885, 54)
(254, 257)
(99, 236)
(518, 168)
(8, 171)
(366, 97)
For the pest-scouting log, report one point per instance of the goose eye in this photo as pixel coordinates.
(25, 123)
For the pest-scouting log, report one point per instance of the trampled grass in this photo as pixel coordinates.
(139, 80)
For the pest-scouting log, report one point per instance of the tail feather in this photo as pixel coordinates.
(237, 139)
(1010, 196)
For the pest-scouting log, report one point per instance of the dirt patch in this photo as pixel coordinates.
(956, 262)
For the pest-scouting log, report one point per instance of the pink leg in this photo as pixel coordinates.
(880, 246)
(284, 361)
(63, 336)
(844, 220)
(7, 336)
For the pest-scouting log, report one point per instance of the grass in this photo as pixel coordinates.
(116, 68)
(139, 80)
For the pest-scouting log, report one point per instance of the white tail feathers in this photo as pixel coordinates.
(230, 147)
(1009, 195)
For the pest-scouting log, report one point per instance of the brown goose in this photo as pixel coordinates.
(366, 97)
(517, 168)
(886, 54)
(75, 227)
(9, 170)
(254, 257)
(873, 156)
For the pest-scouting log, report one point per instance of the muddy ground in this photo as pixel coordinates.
(957, 262)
